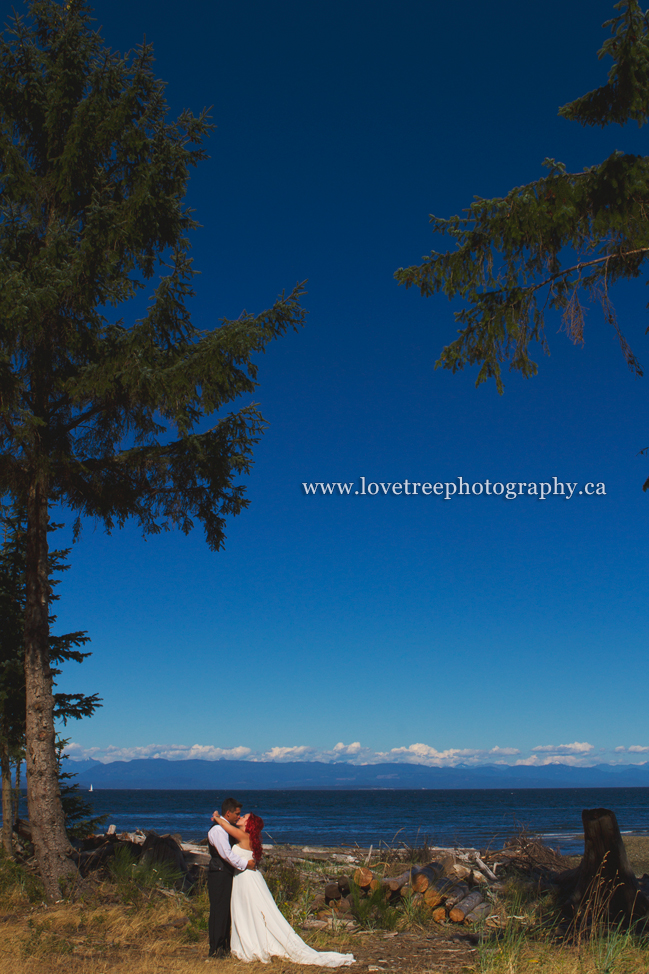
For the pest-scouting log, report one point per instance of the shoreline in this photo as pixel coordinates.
(120, 922)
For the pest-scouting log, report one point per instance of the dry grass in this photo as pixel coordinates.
(159, 931)
(106, 931)
(552, 959)
(135, 963)
(164, 935)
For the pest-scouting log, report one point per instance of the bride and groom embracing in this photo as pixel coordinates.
(244, 918)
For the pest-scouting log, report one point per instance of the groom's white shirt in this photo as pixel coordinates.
(219, 839)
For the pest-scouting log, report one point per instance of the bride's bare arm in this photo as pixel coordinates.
(230, 829)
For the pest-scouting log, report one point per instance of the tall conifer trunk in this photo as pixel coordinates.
(94, 177)
(7, 804)
(17, 792)
(46, 817)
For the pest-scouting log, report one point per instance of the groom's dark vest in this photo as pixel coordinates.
(218, 863)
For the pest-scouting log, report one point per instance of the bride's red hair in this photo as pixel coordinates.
(254, 825)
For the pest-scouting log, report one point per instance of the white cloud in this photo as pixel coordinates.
(355, 753)
(206, 752)
(535, 761)
(301, 753)
(168, 752)
(430, 756)
(79, 753)
(575, 748)
(348, 749)
(448, 758)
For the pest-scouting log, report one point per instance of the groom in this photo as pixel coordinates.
(224, 863)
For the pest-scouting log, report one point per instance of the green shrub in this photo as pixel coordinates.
(373, 912)
(283, 880)
(136, 877)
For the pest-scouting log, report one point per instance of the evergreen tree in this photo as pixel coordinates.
(99, 414)
(12, 677)
(77, 810)
(509, 262)
(63, 648)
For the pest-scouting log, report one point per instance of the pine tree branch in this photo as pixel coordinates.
(588, 263)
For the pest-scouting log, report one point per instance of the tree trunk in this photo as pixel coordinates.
(7, 804)
(46, 818)
(17, 792)
(605, 885)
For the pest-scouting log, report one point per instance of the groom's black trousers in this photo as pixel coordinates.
(219, 888)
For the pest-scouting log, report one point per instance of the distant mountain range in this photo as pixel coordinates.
(157, 773)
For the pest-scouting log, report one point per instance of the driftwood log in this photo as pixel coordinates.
(603, 887)
(478, 912)
(97, 858)
(432, 897)
(459, 891)
(437, 893)
(426, 876)
(166, 849)
(444, 896)
(462, 909)
(396, 883)
(363, 877)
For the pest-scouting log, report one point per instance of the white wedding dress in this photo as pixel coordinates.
(259, 931)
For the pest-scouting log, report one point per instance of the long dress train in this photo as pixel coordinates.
(259, 931)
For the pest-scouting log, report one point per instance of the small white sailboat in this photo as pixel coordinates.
(90, 789)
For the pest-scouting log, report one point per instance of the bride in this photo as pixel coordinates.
(259, 931)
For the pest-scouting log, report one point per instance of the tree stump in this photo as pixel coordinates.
(605, 886)
(332, 892)
(165, 849)
(344, 885)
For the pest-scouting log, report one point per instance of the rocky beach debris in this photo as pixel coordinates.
(454, 886)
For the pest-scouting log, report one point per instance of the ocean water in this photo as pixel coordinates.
(480, 818)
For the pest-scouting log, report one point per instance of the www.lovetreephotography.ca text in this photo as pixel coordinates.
(461, 488)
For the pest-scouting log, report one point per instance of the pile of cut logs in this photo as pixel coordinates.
(449, 890)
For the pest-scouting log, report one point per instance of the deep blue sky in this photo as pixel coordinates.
(390, 621)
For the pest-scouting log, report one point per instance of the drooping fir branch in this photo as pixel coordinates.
(508, 262)
(625, 96)
(555, 244)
